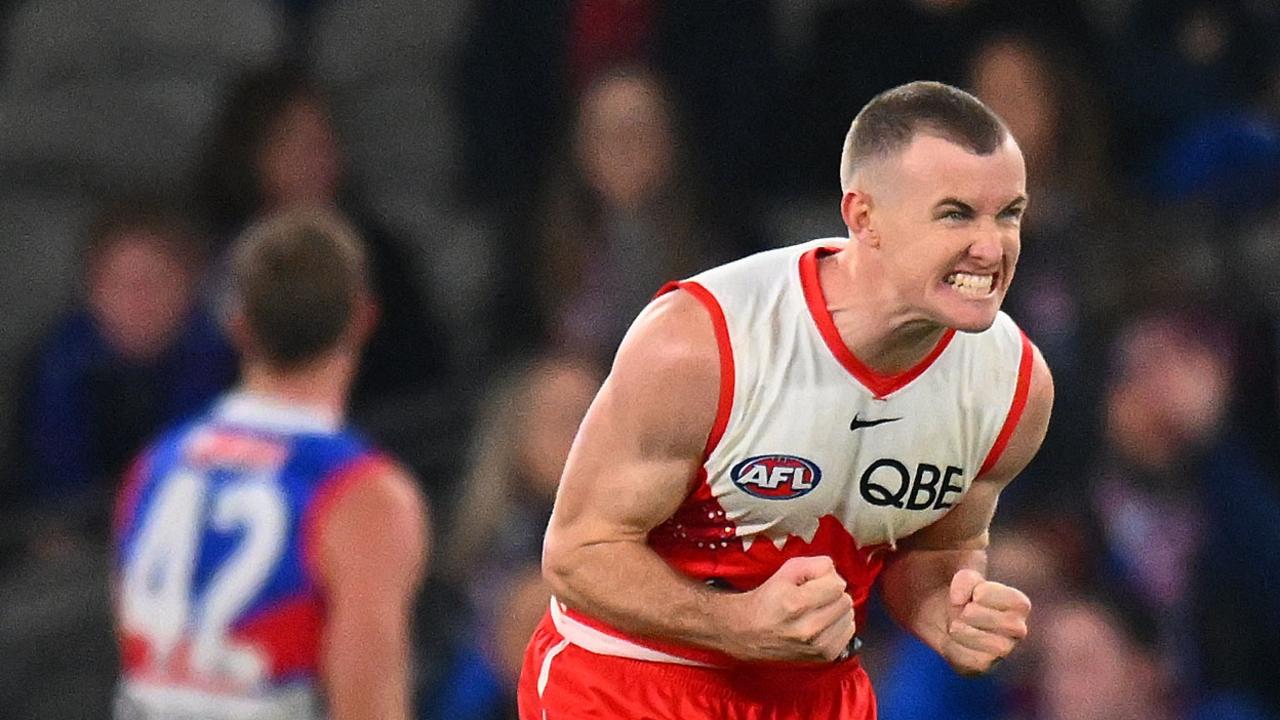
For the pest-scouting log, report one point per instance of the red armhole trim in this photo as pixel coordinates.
(127, 497)
(1020, 392)
(725, 404)
(331, 490)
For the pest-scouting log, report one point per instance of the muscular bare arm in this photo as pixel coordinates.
(371, 561)
(935, 584)
(631, 466)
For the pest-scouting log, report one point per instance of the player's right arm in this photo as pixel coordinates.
(629, 470)
(371, 559)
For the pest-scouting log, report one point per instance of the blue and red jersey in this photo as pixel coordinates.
(217, 597)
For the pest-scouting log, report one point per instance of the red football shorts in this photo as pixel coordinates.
(561, 681)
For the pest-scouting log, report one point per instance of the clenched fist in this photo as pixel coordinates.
(801, 613)
(986, 621)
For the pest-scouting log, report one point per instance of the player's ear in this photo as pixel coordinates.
(364, 318)
(855, 208)
(236, 325)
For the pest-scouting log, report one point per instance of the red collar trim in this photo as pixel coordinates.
(879, 384)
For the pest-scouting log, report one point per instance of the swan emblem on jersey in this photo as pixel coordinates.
(776, 477)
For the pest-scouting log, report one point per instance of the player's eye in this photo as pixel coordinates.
(953, 214)
(1013, 213)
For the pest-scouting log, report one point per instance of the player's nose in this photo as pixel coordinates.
(986, 247)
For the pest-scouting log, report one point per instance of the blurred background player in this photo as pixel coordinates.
(267, 558)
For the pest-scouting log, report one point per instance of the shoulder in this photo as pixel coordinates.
(170, 443)
(674, 337)
(376, 526)
(372, 483)
(1003, 343)
(1034, 373)
(387, 497)
(686, 323)
(161, 454)
(764, 271)
(1039, 400)
(663, 392)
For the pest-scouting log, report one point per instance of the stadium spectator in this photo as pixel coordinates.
(915, 684)
(1177, 61)
(1100, 661)
(1237, 610)
(1070, 232)
(857, 48)
(1100, 658)
(719, 55)
(522, 438)
(624, 214)
(275, 148)
(1164, 408)
(1184, 510)
(137, 351)
(483, 671)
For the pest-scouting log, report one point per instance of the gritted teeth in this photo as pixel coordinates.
(970, 283)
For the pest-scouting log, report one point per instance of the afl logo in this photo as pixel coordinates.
(776, 477)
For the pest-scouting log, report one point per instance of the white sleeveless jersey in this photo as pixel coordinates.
(814, 453)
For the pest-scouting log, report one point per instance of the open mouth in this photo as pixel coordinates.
(973, 285)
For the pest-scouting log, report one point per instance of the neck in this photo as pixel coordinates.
(876, 326)
(322, 383)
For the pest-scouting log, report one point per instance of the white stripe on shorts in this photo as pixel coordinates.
(546, 667)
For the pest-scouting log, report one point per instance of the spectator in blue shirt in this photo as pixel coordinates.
(136, 352)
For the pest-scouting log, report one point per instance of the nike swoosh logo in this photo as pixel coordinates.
(859, 424)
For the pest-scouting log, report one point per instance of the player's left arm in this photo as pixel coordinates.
(936, 586)
(372, 558)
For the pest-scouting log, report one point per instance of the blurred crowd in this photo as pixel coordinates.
(527, 174)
